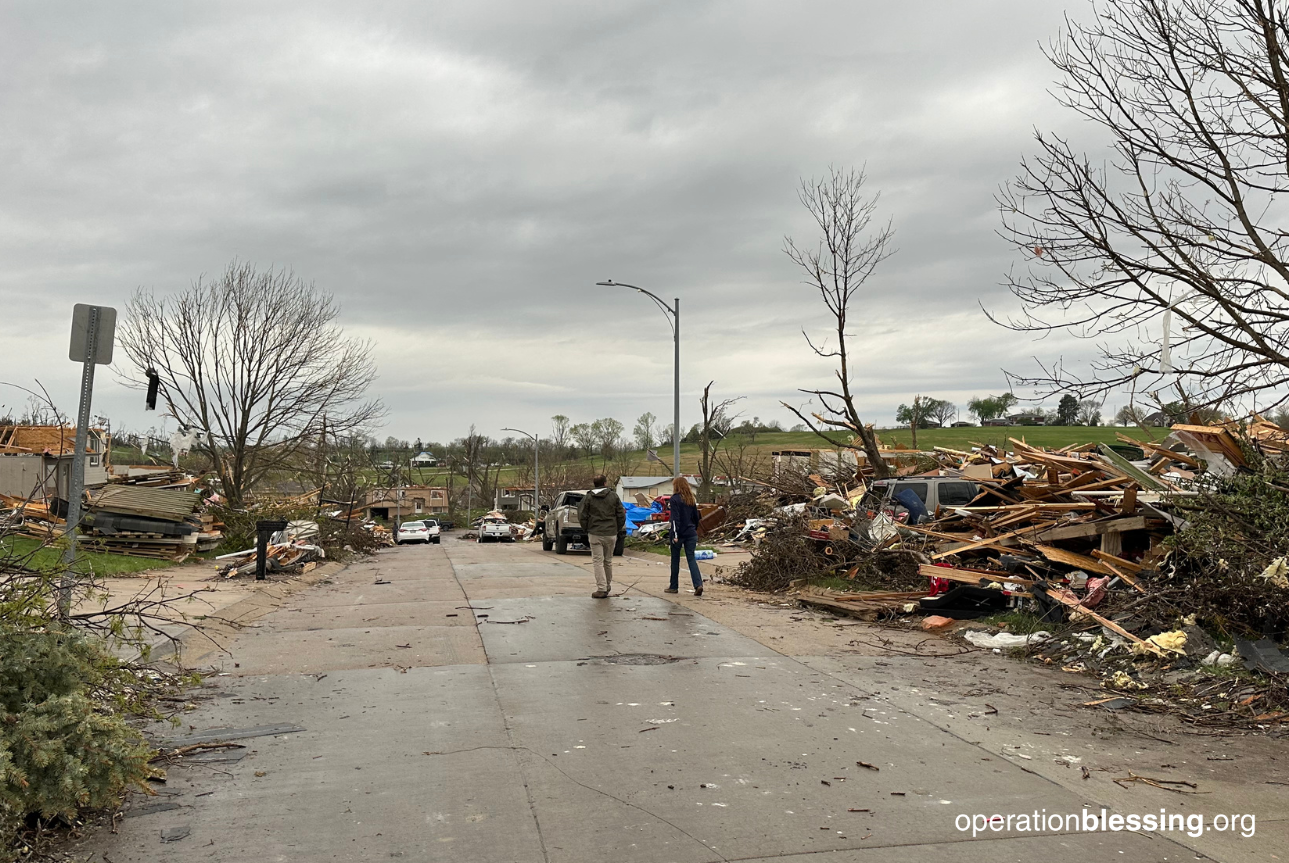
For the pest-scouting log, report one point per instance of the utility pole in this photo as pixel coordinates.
(537, 482)
(93, 336)
(673, 314)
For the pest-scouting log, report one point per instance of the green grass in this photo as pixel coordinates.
(663, 548)
(48, 558)
(1018, 622)
(766, 443)
(1048, 436)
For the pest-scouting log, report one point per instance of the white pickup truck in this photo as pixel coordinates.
(561, 525)
(495, 528)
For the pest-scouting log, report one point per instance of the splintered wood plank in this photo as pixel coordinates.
(1070, 558)
(1118, 562)
(994, 540)
(966, 575)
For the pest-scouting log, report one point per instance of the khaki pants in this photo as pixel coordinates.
(602, 558)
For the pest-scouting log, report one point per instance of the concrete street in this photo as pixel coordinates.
(473, 703)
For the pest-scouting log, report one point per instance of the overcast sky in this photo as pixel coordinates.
(460, 174)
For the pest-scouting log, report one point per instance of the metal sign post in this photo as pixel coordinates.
(93, 335)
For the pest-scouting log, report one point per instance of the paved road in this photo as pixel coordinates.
(473, 703)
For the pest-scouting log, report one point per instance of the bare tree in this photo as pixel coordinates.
(716, 423)
(741, 459)
(1089, 413)
(479, 454)
(608, 437)
(559, 434)
(942, 411)
(253, 361)
(585, 437)
(846, 255)
(1172, 255)
(644, 430)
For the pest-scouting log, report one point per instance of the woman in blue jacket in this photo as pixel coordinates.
(684, 534)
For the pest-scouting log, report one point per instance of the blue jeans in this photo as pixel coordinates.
(694, 574)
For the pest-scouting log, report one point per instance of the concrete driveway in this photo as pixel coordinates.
(473, 703)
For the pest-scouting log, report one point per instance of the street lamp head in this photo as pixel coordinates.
(607, 284)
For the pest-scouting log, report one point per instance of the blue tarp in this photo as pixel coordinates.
(638, 514)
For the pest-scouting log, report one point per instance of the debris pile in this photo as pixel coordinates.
(292, 550)
(29, 518)
(140, 521)
(1152, 562)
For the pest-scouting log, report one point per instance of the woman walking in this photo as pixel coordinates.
(684, 534)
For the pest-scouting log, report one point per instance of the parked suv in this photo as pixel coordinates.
(434, 530)
(561, 525)
(933, 491)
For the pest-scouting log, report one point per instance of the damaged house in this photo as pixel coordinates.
(36, 461)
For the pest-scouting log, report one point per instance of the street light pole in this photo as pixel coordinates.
(537, 477)
(673, 315)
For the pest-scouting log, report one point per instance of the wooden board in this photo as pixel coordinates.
(1093, 528)
(1069, 558)
(969, 576)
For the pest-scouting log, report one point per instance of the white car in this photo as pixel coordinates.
(434, 530)
(495, 528)
(412, 531)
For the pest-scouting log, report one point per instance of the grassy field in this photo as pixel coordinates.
(760, 448)
(50, 558)
(769, 442)
(953, 438)
(1049, 436)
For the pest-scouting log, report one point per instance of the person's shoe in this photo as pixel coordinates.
(600, 594)
(698, 591)
(670, 590)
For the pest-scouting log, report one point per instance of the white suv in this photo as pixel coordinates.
(433, 529)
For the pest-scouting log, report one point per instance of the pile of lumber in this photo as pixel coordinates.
(864, 605)
(30, 518)
(292, 549)
(138, 521)
(153, 476)
(1067, 515)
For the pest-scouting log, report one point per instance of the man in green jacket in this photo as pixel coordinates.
(603, 518)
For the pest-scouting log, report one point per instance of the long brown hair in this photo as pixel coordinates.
(680, 486)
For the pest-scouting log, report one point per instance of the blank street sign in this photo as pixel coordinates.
(80, 349)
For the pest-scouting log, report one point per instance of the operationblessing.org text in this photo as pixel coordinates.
(1192, 824)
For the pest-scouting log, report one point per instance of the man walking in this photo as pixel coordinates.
(603, 518)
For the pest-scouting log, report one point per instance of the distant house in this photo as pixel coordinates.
(425, 459)
(792, 461)
(408, 501)
(1028, 419)
(36, 461)
(514, 498)
(1158, 419)
(649, 486)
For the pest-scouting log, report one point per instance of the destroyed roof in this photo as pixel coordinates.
(55, 440)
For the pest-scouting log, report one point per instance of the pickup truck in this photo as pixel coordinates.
(434, 530)
(561, 525)
(495, 528)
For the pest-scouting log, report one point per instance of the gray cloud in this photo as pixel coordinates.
(460, 174)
